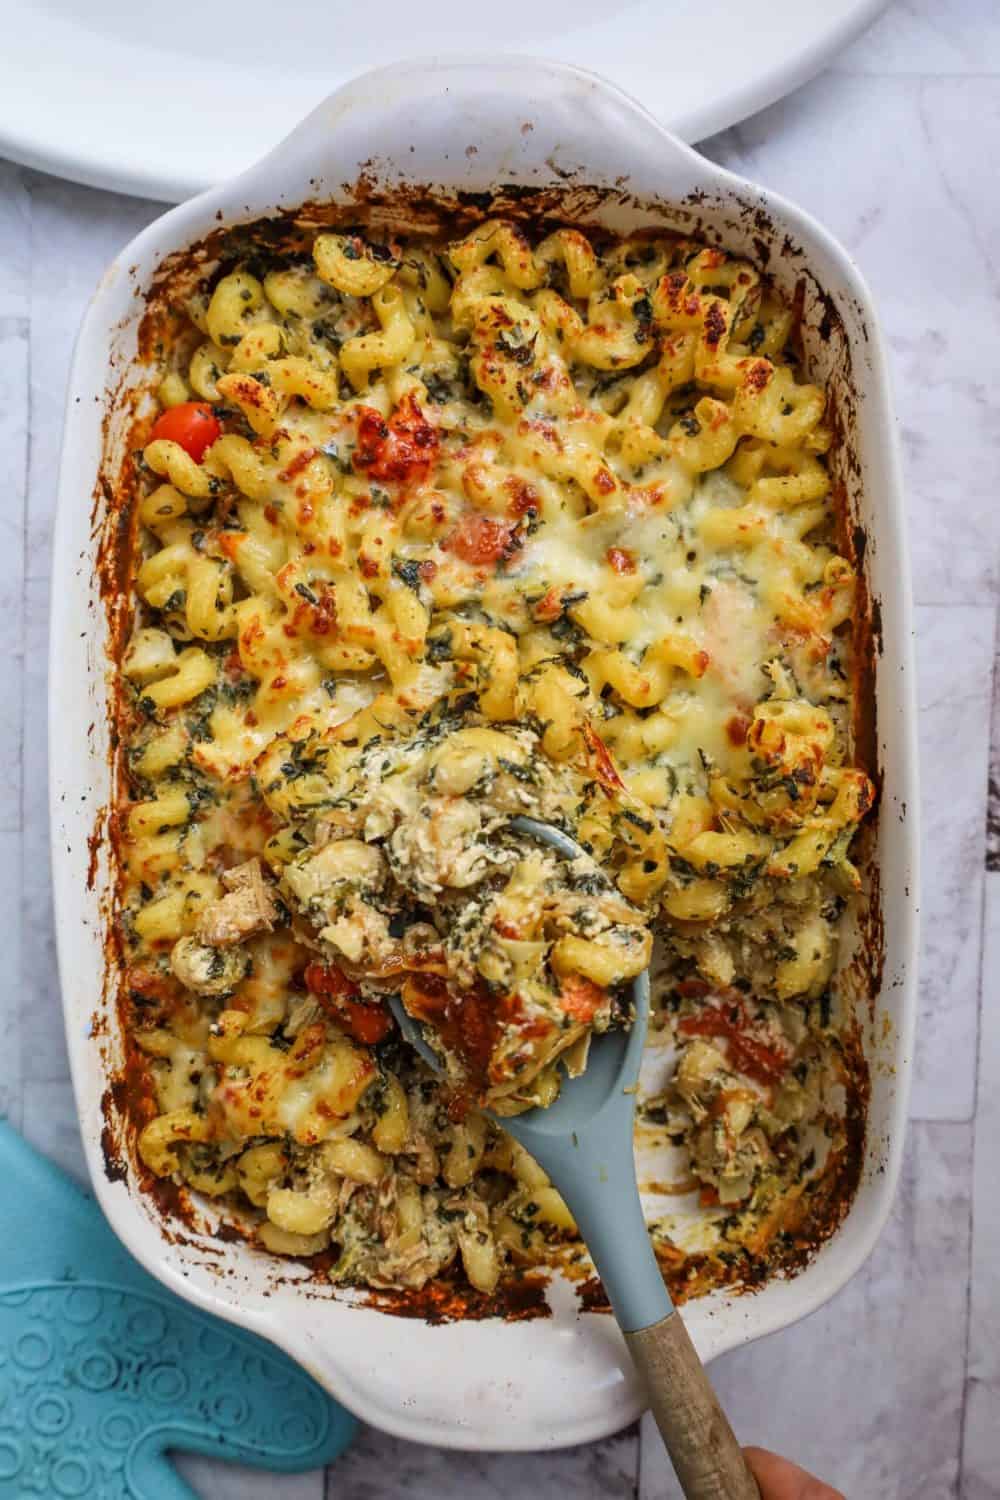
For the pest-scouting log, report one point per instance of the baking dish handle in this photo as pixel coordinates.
(574, 126)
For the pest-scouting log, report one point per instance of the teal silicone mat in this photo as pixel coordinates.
(103, 1372)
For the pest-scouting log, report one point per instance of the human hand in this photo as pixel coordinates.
(780, 1480)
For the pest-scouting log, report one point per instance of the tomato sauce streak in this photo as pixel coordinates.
(466, 1023)
(747, 1055)
(336, 994)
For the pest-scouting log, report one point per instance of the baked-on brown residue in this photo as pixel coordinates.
(519, 1298)
(94, 841)
(115, 1161)
(128, 1103)
(127, 1106)
(592, 1297)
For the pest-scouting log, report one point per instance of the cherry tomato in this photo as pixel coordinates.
(192, 425)
(400, 451)
(482, 539)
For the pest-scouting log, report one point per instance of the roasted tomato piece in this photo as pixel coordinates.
(480, 539)
(401, 450)
(605, 770)
(581, 998)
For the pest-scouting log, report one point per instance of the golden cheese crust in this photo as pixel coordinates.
(436, 534)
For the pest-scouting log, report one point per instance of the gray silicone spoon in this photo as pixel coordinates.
(584, 1143)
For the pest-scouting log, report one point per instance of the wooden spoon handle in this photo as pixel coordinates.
(704, 1451)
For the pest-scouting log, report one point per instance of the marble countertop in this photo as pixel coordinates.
(892, 1391)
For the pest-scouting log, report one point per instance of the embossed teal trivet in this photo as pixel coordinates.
(102, 1370)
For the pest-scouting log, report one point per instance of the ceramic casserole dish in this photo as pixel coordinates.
(563, 138)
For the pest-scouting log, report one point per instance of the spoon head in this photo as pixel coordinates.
(607, 1083)
(583, 1141)
(609, 1079)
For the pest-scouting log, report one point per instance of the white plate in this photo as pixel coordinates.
(168, 101)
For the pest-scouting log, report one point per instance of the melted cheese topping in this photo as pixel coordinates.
(571, 490)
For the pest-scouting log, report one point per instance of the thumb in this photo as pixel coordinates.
(780, 1480)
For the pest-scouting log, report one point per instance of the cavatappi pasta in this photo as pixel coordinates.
(430, 535)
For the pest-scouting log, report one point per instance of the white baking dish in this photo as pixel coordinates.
(469, 126)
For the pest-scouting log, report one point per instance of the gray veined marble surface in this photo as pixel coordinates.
(893, 1390)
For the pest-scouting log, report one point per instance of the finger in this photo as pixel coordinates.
(780, 1480)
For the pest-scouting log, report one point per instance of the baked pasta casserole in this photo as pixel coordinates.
(430, 534)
